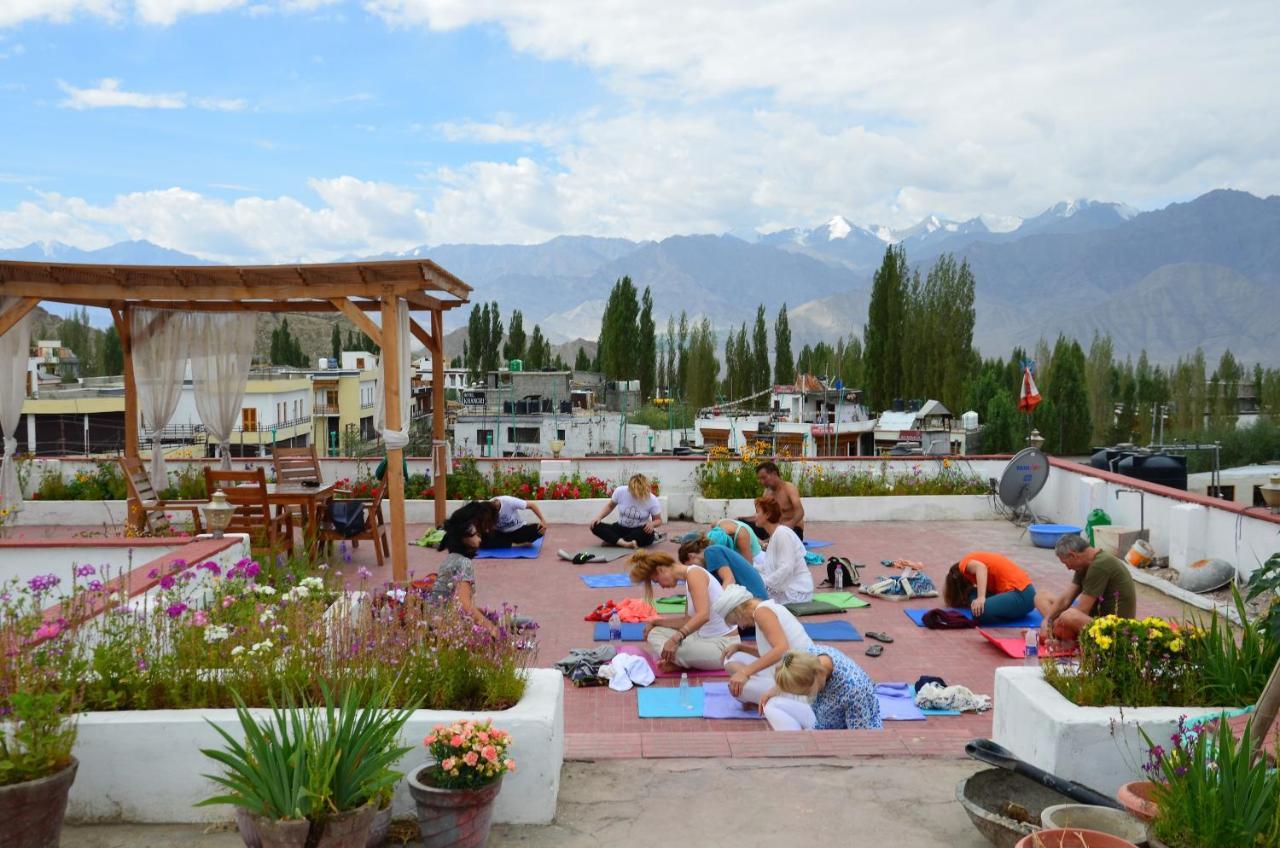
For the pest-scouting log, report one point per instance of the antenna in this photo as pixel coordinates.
(1022, 480)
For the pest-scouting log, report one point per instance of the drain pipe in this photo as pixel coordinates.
(1142, 505)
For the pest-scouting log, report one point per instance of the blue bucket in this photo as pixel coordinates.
(1047, 535)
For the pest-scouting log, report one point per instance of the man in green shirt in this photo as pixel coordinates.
(1100, 585)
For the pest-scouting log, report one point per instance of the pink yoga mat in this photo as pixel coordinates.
(1015, 646)
(635, 650)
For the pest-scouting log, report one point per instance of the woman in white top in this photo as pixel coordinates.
(786, 574)
(639, 513)
(509, 528)
(697, 639)
(777, 631)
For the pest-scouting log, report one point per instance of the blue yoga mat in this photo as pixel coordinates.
(617, 580)
(632, 631)
(832, 631)
(1031, 619)
(814, 544)
(522, 552)
(664, 702)
(897, 702)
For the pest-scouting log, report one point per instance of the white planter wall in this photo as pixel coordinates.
(145, 766)
(1099, 747)
(858, 509)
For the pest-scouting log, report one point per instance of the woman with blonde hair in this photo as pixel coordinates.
(639, 513)
(841, 695)
(698, 638)
(777, 631)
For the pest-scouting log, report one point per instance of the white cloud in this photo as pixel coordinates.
(166, 12)
(160, 12)
(59, 11)
(499, 132)
(109, 94)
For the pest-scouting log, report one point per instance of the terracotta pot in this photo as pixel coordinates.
(379, 829)
(1136, 797)
(452, 818)
(1072, 837)
(31, 813)
(247, 824)
(349, 829)
(345, 830)
(281, 833)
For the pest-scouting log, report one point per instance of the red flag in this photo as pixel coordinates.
(1029, 397)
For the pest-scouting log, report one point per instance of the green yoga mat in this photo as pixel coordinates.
(844, 600)
(673, 604)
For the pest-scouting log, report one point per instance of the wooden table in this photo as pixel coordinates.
(310, 500)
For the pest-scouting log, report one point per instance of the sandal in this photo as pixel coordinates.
(875, 650)
(880, 637)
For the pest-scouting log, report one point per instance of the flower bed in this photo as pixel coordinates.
(723, 476)
(900, 508)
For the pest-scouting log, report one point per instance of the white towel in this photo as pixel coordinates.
(624, 670)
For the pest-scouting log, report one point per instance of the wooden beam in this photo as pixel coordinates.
(439, 481)
(444, 281)
(390, 345)
(16, 313)
(121, 318)
(362, 322)
(420, 333)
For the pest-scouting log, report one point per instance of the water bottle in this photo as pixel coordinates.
(684, 691)
(615, 630)
(1029, 651)
(838, 579)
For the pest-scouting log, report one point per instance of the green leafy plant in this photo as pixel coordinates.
(1210, 791)
(1132, 663)
(1265, 582)
(1233, 672)
(36, 737)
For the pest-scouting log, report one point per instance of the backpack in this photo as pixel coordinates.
(941, 618)
(850, 572)
(347, 517)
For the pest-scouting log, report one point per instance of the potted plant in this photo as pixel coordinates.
(36, 768)
(454, 792)
(312, 775)
(1072, 837)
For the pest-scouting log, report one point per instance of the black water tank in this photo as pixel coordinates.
(1159, 468)
(1100, 459)
(899, 405)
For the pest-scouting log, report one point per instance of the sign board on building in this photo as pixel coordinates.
(473, 398)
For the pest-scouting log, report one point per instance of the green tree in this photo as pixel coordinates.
(884, 332)
(784, 366)
(760, 373)
(111, 354)
(804, 362)
(514, 348)
(1066, 401)
(619, 345)
(672, 380)
(647, 347)
(492, 339)
(582, 362)
(477, 330)
(1098, 377)
(1003, 424)
(535, 355)
(702, 368)
(335, 343)
(682, 353)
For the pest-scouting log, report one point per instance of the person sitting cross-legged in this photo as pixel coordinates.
(639, 514)
(696, 639)
(777, 631)
(782, 565)
(991, 585)
(509, 528)
(1100, 585)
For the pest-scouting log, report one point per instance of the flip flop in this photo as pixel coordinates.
(875, 650)
(880, 637)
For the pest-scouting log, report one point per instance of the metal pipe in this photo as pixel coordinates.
(1142, 505)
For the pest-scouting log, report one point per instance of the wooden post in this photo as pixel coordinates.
(121, 318)
(439, 482)
(1264, 714)
(16, 313)
(391, 342)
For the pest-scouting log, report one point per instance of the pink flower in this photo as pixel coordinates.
(449, 763)
(456, 741)
(490, 753)
(510, 765)
(227, 600)
(200, 619)
(482, 736)
(48, 630)
(470, 758)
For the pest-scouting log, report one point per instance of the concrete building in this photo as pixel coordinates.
(1240, 485)
(807, 418)
(342, 402)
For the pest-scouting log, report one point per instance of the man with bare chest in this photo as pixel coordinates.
(787, 496)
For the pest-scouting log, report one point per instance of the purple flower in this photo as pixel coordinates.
(211, 567)
(363, 573)
(252, 570)
(175, 610)
(153, 574)
(167, 582)
(142, 664)
(42, 583)
(96, 586)
(85, 571)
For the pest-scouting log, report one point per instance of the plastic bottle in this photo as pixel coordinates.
(615, 630)
(1031, 639)
(838, 579)
(684, 691)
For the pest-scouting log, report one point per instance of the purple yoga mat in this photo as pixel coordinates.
(718, 703)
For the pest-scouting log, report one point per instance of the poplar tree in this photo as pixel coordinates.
(514, 347)
(335, 344)
(647, 346)
(784, 367)
(582, 362)
(885, 328)
(760, 373)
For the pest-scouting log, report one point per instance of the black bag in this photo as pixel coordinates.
(850, 574)
(347, 517)
(941, 618)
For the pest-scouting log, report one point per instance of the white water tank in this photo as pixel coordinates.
(969, 420)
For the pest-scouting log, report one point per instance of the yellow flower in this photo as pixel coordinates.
(1153, 634)
(946, 463)
(1103, 642)
(1175, 645)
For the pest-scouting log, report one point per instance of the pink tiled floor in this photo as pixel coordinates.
(600, 723)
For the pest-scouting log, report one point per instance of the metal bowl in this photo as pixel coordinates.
(985, 794)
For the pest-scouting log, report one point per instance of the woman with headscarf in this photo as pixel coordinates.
(777, 631)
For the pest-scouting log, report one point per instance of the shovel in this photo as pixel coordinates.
(986, 751)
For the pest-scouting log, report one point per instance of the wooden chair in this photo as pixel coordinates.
(296, 466)
(375, 529)
(247, 492)
(151, 506)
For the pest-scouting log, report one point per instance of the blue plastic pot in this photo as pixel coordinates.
(1047, 535)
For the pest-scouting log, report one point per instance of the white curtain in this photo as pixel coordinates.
(221, 355)
(160, 339)
(395, 438)
(15, 353)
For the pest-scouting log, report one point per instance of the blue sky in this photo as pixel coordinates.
(279, 130)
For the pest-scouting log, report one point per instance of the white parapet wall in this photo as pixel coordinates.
(878, 508)
(146, 767)
(1100, 747)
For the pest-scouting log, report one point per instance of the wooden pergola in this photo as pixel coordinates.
(354, 289)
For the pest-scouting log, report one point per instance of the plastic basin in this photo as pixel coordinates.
(1047, 535)
(1090, 817)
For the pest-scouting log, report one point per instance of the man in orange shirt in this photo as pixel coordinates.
(991, 585)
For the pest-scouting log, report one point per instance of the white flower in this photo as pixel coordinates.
(216, 633)
(312, 583)
(268, 615)
(237, 650)
(268, 591)
(280, 628)
(397, 595)
(263, 646)
(297, 593)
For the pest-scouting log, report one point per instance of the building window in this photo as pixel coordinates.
(560, 435)
(484, 438)
(524, 435)
(249, 419)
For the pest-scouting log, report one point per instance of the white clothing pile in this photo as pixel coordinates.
(934, 697)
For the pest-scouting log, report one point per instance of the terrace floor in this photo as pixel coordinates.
(603, 724)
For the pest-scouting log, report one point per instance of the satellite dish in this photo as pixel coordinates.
(1022, 480)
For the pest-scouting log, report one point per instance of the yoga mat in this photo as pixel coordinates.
(664, 702)
(616, 580)
(928, 712)
(844, 600)
(632, 631)
(1015, 646)
(832, 631)
(897, 703)
(637, 651)
(669, 605)
(599, 552)
(718, 703)
(814, 544)
(521, 552)
(1031, 619)
(814, 607)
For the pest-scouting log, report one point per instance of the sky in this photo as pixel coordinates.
(309, 130)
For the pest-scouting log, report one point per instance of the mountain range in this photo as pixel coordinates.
(1201, 273)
